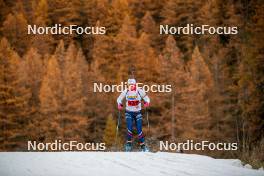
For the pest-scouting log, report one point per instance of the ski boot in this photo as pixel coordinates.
(128, 147)
(144, 148)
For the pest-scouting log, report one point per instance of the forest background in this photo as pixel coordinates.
(46, 81)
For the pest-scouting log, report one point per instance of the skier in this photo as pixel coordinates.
(134, 96)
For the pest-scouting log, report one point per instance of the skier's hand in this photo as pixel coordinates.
(120, 107)
(146, 104)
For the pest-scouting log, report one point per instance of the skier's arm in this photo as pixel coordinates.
(144, 96)
(121, 97)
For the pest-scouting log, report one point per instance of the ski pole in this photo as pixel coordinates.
(146, 111)
(117, 127)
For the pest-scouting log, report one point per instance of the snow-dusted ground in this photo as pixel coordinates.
(120, 163)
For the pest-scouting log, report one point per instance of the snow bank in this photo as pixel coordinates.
(119, 163)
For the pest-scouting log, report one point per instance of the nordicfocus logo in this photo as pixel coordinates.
(100, 87)
(58, 145)
(190, 29)
(58, 29)
(191, 145)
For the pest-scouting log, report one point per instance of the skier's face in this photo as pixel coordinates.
(132, 87)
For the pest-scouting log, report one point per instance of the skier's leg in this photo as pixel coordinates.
(140, 133)
(139, 128)
(129, 123)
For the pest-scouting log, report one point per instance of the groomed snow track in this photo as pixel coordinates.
(118, 164)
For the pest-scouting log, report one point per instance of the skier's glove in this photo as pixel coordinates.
(120, 107)
(146, 104)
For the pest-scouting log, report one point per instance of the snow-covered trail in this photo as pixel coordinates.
(118, 163)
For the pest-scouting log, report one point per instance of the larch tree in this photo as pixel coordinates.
(13, 100)
(251, 80)
(51, 96)
(181, 13)
(149, 26)
(67, 13)
(172, 72)
(199, 70)
(43, 43)
(109, 132)
(146, 63)
(116, 13)
(60, 54)
(51, 88)
(171, 59)
(199, 87)
(73, 85)
(126, 47)
(84, 69)
(95, 10)
(15, 30)
(139, 8)
(33, 67)
(209, 14)
(103, 62)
